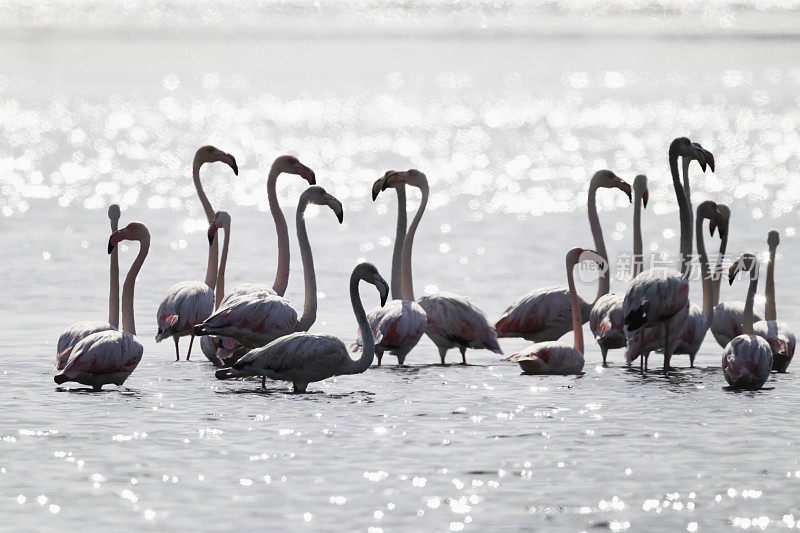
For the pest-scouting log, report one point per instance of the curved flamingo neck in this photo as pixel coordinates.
(685, 162)
(638, 260)
(368, 347)
(399, 237)
(408, 243)
(603, 282)
(282, 274)
(685, 215)
(723, 246)
(220, 293)
(310, 304)
(128, 323)
(705, 278)
(113, 289)
(577, 319)
(213, 251)
(747, 316)
(770, 310)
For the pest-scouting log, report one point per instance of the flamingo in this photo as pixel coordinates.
(79, 330)
(777, 334)
(452, 320)
(553, 357)
(698, 319)
(257, 318)
(544, 314)
(747, 359)
(399, 325)
(303, 358)
(726, 322)
(111, 356)
(725, 211)
(660, 297)
(189, 302)
(686, 160)
(606, 318)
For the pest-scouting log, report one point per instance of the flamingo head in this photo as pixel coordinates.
(221, 220)
(114, 213)
(377, 187)
(747, 262)
(773, 239)
(291, 165)
(683, 147)
(135, 231)
(319, 196)
(210, 154)
(369, 273)
(609, 180)
(412, 176)
(640, 188)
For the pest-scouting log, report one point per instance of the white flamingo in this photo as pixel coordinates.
(188, 303)
(606, 317)
(747, 359)
(780, 338)
(303, 358)
(257, 318)
(698, 319)
(656, 304)
(79, 330)
(111, 356)
(452, 320)
(400, 324)
(553, 357)
(544, 314)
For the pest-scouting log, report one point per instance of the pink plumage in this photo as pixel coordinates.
(397, 327)
(253, 319)
(727, 321)
(606, 320)
(540, 315)
(747, 362)
(106, 357)
(549, 358)
(780, 339)
(71, 336)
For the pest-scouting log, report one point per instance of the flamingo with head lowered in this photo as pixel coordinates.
(656, 304)
(79, 330)
(302, 358)
(553, 357)
(780, 338)
(452, 321)
(188, 303)
(544, 314)
(606, 317)
(111, 356)
(400, 324)
(257, 318)
(747, 359)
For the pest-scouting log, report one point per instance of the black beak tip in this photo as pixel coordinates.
(312, 180)
(374, 195)
(340, 216)
(210, 239)
(110, 247)
(235, 168)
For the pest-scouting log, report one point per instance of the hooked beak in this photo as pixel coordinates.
(377, 187)
(306, 173)
(389, 180)
(383, 289)
(114, 239)
(626, 188)
(645, 196)
(340, 215)
(229, 160)
(212, 232)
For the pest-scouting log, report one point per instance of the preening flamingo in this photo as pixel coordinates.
(257, 318)
(452, 320)
(400, 324)
(777, 334)
(553, 357)
(189, 302)
(544, 314)
(747, 359)
(659, 298)
(303, 358)
(79, 330)
(606, 318)
(111, 356)
(698, 319)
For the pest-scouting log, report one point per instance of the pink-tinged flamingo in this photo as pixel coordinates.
(452, 320)
(698, 319)
(111, 356)
(747, 359)
(257, 318)
(659, 298)
(79, 330)
(544, 314)
(188, 303)
(777, 334)
(606, 317)
(303, 358)
(399, 325)
(553, 357)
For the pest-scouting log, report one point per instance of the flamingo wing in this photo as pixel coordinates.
(72, 335)
(747, 362)
(252, 319)
(185, 305)
(107, 353)
(458, 320)
(544, 314)
(300, 357)
(549, 358)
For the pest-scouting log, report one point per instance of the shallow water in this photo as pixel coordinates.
(509, 131)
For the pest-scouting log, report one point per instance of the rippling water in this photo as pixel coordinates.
(508, 131)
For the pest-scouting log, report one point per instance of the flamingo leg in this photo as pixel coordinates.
(667, 353)
(442, 353)
(463, 354)
(263, 382)
(177, 353)
(379, 355)
(604, 351)
(191, 341)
